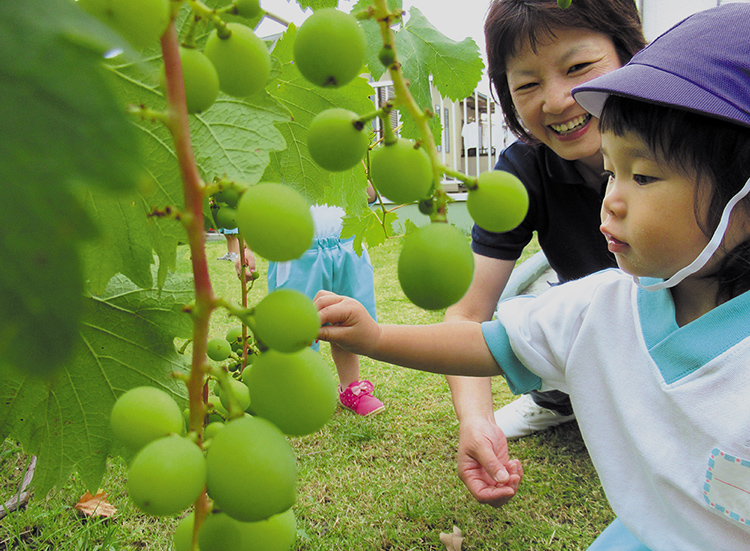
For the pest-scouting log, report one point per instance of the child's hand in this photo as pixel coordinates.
(249, 268)
(346, 322)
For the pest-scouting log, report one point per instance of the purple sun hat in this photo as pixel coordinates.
(702, 64)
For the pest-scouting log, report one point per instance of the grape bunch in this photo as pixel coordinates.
(234, 59)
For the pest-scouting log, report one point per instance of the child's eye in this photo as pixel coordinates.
(642, 180)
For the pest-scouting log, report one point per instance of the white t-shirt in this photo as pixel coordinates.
(664, 410)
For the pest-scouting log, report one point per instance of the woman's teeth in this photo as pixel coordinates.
(571, 125)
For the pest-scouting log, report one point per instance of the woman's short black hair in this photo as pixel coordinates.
(512, 23)
(714, 151)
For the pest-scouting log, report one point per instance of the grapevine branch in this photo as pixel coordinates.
(177, 122)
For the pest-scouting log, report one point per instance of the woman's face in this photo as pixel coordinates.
(540, 85)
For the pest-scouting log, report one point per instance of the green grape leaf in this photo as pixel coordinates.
(232, 139)
(294, 166)
(63, 132)
(127, 340)
(456, 67)
(369, 227)
(317, 4)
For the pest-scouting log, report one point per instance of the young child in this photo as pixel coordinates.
(655, 355)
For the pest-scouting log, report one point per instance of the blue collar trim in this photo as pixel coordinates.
(679, 351)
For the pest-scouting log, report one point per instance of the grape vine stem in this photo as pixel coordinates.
(177, 122)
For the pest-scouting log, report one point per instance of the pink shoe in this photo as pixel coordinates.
(358, 398)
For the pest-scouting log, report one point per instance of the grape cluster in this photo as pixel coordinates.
(234, 60)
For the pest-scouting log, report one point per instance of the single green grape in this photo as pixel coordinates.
(218, 349)
(167, 476)
(500, 201)
(230, 196)
(211, 429)
(141, 22)
(286, 320)
(329, 49)
(183, 534)
(220, 532)
(200, 78)
(313, 401)
(277, 533)
(241, 394)
(225, 217)
(336, 139)
(143, 414)
(401, 171)
(234, 337)
(275, 221)
(251, 470)
(435, 266)
(387, 56)
(242, 60)
(247, 8)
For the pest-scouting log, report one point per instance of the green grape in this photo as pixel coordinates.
(234, 337)
(167, 476)
(141, 22)
(220, 532)
(251, 470)
(313, 401)
(144, 414)
(500, 201)
(336, 139)
(435, 266)
(247, 8)
(275, 221)
(242, 60)
(286, 320)
(214, 402)
(401, 171)
(225, 218)
(211, 429)
(329, 49)
(200, 78)
(427, 206)
(564, 4)
(230, 196)
(277, 533)
(183, 534)
(218, 349)
(240, 392)
(387, 56)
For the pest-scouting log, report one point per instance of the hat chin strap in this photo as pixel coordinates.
(706, 253)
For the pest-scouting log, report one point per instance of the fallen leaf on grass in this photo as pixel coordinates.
(452, 541)
(95, 506)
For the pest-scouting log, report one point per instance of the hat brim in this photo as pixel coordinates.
(652, 85)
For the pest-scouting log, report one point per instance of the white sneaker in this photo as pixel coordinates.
(231, 257)
(523, 417)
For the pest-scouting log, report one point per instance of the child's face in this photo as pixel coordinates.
(648, 213)
(540, 84)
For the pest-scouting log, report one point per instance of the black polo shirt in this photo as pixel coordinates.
(563, 210)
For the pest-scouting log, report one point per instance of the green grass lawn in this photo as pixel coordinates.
(382, 483)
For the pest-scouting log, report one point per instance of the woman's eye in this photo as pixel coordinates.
(578, 67)
(524, 87)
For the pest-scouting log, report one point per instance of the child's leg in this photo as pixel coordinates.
(347, 365)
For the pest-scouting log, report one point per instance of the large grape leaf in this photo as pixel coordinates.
(62, 131)
(294, 166)
(423, 51)
(233, 139)
(127, 340)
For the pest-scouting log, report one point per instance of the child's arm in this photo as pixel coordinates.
(452, 348)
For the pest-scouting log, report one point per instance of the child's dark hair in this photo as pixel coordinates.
(715, 150)
(510, 24)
